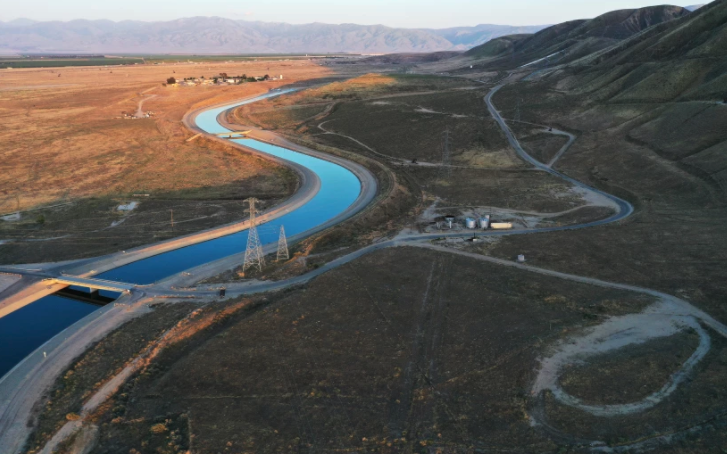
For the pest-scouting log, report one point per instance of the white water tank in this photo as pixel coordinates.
(521, 258)
(485, 222)
(470, 223)
(449, 220)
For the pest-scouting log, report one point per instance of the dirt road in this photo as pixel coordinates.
(26, 383)
(20, 396)
(139, 112)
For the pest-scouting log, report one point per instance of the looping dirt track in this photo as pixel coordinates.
(666, 317)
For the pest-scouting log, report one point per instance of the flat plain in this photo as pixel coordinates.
(69, 158)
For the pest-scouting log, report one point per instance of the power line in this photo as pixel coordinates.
(254, 251)
(446, 167)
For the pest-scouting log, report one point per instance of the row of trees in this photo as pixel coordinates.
(243, 78)
(240, 79)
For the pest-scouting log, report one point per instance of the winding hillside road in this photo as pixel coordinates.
(25, 385)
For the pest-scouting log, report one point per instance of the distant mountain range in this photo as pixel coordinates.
(223, 36)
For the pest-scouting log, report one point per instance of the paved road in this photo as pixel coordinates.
(25, 384)
(419, 240)
(18, 396)
(310, 185)
(167, 287)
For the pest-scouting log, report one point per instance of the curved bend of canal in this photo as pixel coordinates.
(28, 328)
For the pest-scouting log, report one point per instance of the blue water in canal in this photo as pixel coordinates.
(339, 189)
(28, 328)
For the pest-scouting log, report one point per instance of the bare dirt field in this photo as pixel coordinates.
(64, 143)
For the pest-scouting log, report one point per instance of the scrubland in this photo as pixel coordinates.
(411, 350)
(435, 356)
(673, 242)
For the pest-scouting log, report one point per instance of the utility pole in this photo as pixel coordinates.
(517, 111)
(172, 214)
(254, 251)
(447, 170)
(282, 246)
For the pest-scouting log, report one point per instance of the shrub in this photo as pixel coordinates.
(158, 428)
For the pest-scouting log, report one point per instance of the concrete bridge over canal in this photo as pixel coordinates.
(233, 133)
(92, 284)
(32, 286)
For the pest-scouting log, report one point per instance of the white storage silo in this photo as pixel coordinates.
(485, 222)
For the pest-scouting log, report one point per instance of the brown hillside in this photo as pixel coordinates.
(569, 41)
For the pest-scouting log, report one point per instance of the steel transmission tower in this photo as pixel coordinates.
(254, 251)
(282, 246)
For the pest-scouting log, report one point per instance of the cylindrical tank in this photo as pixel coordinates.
(485, 222)
(501, 225)
(471, 223)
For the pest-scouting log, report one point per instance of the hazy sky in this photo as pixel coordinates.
(395, 13)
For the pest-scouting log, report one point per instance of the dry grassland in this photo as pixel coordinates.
(63, 139)
(625, 376)
(512, 189)
(67, 140)
(398, 116)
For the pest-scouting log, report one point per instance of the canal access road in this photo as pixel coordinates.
(135, 303)
(18, 296)
(27, 381)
